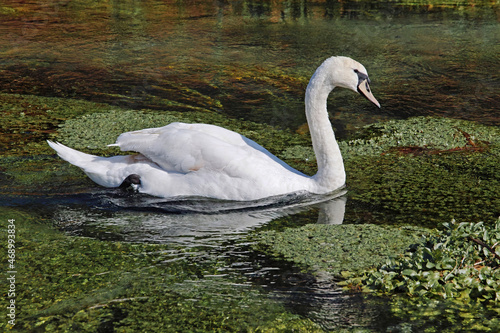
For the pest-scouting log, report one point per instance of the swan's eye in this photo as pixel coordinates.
(361, 77)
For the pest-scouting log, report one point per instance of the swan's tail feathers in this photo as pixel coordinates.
(73, 156)
(99, 169)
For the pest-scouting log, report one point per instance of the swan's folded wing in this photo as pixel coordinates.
(184, 148)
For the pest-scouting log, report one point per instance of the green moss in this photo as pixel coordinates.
(303, 153)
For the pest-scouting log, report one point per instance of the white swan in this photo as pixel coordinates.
(209, 161)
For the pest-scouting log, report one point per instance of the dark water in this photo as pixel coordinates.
(248, 60)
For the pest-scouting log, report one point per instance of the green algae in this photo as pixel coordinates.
(28, 120)
(90, 285)
(97, 130)
(430, 133)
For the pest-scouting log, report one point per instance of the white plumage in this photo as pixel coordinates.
(209, 161)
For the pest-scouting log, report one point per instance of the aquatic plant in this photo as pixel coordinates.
(461, 262)
(451, 275)
(28, 120)
(432, 135)
(337, 249)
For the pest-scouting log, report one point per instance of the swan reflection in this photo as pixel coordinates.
(193, 222)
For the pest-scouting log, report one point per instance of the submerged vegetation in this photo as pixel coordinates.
(337, 249)
(87, 285)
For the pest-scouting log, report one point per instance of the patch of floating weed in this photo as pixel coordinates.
(337, 248)
(424, 132)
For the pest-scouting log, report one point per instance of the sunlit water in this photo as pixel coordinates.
(247, 60)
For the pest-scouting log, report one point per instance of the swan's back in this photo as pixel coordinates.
(184, 148)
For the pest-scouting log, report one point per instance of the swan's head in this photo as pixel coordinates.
(348, 73)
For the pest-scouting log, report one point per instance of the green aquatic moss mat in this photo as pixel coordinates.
(336, 249)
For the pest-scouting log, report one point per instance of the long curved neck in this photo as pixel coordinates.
(331, 172)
